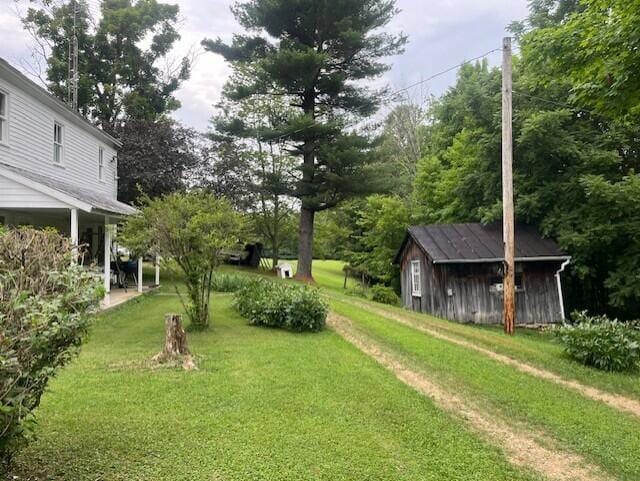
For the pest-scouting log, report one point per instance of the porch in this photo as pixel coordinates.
(88, 218)
(95, 234)
(119, 295)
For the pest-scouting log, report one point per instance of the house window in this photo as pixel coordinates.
(4, 118)
(58, 149)
(416, 289)
(101, 164)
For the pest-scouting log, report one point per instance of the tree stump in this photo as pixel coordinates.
(175, 348)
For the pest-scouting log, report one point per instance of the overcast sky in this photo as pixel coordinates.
(442, 33)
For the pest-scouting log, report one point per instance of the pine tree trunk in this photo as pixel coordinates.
(305, 232)
(305, 245)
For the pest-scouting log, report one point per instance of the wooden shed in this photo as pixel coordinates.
(454, 271)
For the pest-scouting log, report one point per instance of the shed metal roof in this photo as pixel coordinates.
(475, 242)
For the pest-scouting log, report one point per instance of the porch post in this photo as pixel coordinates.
(157, 262)
(140, 274)
(74, 233)
(107, 255)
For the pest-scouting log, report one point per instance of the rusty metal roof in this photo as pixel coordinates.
(475, 242)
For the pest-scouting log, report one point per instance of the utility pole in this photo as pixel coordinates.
(508, 228)
(72, 84)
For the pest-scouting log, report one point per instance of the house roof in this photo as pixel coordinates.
(83, 199)
(11, 74)
(475, 242)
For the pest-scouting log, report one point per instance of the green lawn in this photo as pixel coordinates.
(532, 346)
(264, 405)
(602, 434)
(272, 405)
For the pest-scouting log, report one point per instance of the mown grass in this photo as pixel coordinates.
(264, 405)
(538, 348)
(607, 437)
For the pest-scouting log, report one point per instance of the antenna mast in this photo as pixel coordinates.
(72, 85)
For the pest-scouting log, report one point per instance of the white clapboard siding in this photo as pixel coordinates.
(30, 144)
(15, 195)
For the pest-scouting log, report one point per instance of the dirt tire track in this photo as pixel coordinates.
(520, 448)
(616, 401)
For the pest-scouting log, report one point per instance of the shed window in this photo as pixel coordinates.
(100, 164)
(496, 284)
(4, 118)
(58, 152)
(416, 281)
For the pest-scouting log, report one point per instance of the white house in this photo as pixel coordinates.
(57, 169)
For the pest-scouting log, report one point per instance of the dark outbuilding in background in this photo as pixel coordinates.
(454, 271)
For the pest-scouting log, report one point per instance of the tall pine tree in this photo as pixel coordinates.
(315, 53)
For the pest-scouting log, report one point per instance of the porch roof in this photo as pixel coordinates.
(67, 193)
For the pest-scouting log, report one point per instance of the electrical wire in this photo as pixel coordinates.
(552, 102)
(392, 97)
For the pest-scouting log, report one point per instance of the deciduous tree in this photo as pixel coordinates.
(119, 78)
(193, 230)
(157, 158)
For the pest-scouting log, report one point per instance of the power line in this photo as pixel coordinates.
(553, 102)
(445, 71)
(391, 97)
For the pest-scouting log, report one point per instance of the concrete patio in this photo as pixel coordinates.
(119, 296)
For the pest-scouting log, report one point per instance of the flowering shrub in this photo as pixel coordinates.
(293, 307)
(46, 302)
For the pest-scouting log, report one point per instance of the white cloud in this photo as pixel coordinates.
(441, 33)
(202, 19)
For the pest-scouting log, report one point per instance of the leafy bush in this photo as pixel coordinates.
(384, 294)
(598, 341)
(193, 230)
(222, 282)
(45, 307)
(293, 307)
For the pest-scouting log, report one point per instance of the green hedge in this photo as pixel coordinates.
(293, 307)
(600, 342)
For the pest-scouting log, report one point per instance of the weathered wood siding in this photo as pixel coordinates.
(463, 292)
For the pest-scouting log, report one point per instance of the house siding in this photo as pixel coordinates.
(15, 195)
(472, 299)
(30, 144)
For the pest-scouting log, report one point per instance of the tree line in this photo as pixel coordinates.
(287, 143)
(576, 158)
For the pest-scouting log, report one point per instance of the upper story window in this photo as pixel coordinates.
(416, 286)
(58, 146)
(100, 164)
(4, 118)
